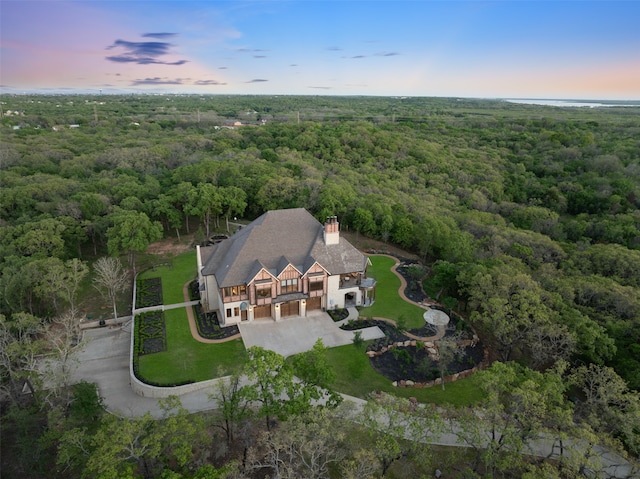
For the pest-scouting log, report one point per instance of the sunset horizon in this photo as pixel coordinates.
(566, 50)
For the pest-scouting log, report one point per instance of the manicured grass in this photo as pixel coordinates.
(356, 377)
(388, 303)
(187, 359)
(181, 271)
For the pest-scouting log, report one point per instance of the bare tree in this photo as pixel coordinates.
(64, 339)
(110, 279)
(307, 446)
(20, 347)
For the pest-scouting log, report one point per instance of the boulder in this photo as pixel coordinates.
(410, 383)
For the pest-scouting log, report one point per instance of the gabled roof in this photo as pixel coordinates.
(274, 240)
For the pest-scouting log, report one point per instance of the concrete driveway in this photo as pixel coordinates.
(104, 360)
(297, 334)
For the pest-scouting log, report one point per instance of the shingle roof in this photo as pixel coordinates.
(293, 234)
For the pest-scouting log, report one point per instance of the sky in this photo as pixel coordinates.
(478, 49)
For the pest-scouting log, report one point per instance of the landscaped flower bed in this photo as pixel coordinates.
(209, 326)
(410, 362)
(414, 363)
(148, 292)
(338, 314)
(412, 273)
(150, 333)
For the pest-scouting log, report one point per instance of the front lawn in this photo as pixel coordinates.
(181, 270)
(356, 377)
(187, 359)
(388, 303)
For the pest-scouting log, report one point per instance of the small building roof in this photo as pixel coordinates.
(275, 239)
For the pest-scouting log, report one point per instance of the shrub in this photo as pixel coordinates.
(358, 340)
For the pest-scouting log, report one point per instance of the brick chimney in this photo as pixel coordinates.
(331, 231)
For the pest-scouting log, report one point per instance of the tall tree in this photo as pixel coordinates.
(142, 446)
(232, 405)
(205, 201)
(63, 339)
(450, 349)
(510, 306)
(308, 446)
(400, 429)
(132, 231)
(608, 404)
(234, 202)
(21, 345)
(110, 279)
(165, 209)
(518, 405)
(271, 378)
(316, 377)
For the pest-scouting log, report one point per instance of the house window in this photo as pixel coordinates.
(229, 312)
(316, 285)
(240, 290)
(236, 311)
(263, 292)
(289, 285)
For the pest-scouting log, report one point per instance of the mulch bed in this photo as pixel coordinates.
(338, 314)
(414, 363)
(151, 334)
(391, 334)
(413, 290)
(209, 326)
(148, 292)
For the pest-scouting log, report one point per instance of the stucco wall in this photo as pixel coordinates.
(337, 295)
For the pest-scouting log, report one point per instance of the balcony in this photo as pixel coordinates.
(347, 281)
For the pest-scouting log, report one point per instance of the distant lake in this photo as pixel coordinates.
(571, 103)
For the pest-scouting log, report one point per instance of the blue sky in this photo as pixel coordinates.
(511, 49)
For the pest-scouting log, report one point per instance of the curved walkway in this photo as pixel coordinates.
(403, 285)
(194, 328)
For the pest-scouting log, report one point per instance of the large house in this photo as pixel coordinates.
(285, 263)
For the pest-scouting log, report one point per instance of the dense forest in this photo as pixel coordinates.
(528, 217)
